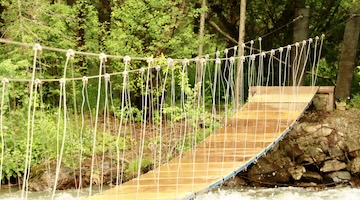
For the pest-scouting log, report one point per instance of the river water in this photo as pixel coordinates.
(286, 193)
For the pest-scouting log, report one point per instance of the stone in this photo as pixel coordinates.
(280, 176)
(355, 166)
(335, 151)
(353, 144)
(339, 176)
(312, 177)
(305, 159)
(267, 172)
(316, 153)
(293, 151)
(297, 171)
(311, 128)
(322, 132)
(340, 105)
(235, 182)
(333, 165)
(320, 101)
(263, 166)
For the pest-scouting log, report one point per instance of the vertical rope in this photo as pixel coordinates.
(69, 55)
(84, 85)
(37, 48)
(102, 61)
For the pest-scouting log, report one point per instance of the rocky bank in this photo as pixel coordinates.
(323, 149)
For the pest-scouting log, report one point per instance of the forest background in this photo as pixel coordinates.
(156, 28)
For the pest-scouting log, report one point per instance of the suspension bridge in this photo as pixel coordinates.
(184, 133)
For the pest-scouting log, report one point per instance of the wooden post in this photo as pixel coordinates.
(300, 33)
(239, 87)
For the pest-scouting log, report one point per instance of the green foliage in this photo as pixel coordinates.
(46, 143)
(133, 167)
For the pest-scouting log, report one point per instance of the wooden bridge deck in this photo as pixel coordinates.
(256, 128)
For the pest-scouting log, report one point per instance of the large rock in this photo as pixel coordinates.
(312, 177)
(355, 166)
(333, 165)
(352, 143)
(235, 182)
(339, 176)
(297, 172)
(267, 172)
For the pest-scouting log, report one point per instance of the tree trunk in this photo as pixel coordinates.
(348, 58)
(201, 39)
(104, 17)
(300, 33)
(239, 87)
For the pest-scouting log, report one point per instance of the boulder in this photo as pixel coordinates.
(333, 165)
(235, 182)
(339, 176)
(267, 172)
(335, 151)
(297, 172)
(352, 143)
(355, 166)
(312, 177)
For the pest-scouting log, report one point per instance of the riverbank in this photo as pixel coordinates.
(322, 150)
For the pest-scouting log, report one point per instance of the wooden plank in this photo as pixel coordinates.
(267, 115)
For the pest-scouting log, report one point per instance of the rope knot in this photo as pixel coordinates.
(127, 59)
(322, 36)
(218, 61)
(263, 54)
(252, 42)
(297, 44)
(70, 53)
(202, 61)
(5, 81)
(232, 60)
(281, 49)
(242, 58)
(125, 73)
(37, 81)
(207, 56)
(107, 77)
(253, 57)
(37, 47)
(157, 67)
(288, 47)
(317, 38)
(218, 54)
(142, 70)
(185, 62)
(170, 62)
(85, 80)
(226, 51)
(62, 80)
(235, 48)
(304, 42)
(310, 40)
(272, 52)
(150, 60)
(260, 39)
(103, 57)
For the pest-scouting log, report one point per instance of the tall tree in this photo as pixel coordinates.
(300, 33)
(201, 39)
(239, 89)
(348, 55)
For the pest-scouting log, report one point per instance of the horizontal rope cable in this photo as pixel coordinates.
(151, 60)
